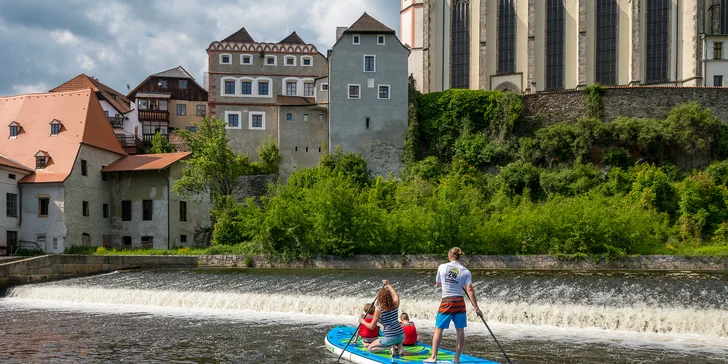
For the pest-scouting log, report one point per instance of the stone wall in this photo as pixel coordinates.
(53, 267)
(641, 102)
(254, 186)
(530, 263)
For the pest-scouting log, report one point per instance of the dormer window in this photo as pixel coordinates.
(14, 129)
(380, 39)
(355, 39)
(41, 159)
(55, 127)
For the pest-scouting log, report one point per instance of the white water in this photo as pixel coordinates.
(704, 323)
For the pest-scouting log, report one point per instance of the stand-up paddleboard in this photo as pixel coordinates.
(337, 338)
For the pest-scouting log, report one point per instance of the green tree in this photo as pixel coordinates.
(160, 144)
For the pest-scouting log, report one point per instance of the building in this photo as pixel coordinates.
(267, 91)
(530, 46)
(367, 90)
(54, 147)
(715, 39)
(167, 101)
(116, 106)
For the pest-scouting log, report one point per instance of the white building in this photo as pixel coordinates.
(715, 60)
(10, 172)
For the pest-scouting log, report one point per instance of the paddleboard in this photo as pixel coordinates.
(337, 338)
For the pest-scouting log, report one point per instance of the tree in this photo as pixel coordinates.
(160, 144)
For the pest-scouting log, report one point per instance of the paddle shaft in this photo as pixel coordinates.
(359, 327)
(488, 327)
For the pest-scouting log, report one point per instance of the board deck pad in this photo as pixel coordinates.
(337, 338)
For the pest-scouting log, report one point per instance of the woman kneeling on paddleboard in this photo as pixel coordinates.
(388, 314)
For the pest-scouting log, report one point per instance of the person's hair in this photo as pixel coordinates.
(385, 300)
(369, 309)
(404, 316)
(456, 253)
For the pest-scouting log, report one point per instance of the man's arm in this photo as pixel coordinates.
(471, 293)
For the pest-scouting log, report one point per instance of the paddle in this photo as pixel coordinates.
(480, 314)
(358, 327)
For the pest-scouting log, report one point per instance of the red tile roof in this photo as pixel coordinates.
(81, 82)
(295, 100)
(13, 164)
(83, 122)
(145, 162)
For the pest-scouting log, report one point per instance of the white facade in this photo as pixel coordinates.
(9, 203)
(130, 121)
(48, 231)
(716, 60)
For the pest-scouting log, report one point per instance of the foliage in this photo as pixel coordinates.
(504, 112)
(269, 156)
(160, 144)
(593, 101)
(347, 164)
(702, 206)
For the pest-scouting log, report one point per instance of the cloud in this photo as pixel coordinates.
(45, 43)
(30, 88)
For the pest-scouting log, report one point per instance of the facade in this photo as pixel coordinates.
(367, 90)
(267, 91)
(118, 109)
(715, 39)
(55, 146)
(529, 46)
(167, 101)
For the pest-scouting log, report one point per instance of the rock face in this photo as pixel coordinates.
(512, 262)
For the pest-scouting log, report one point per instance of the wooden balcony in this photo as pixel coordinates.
(130, 143)
(117, 122)
(147, 138)
(153, 115)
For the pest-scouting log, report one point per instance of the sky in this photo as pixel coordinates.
(44, 43)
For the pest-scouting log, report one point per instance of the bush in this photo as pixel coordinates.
(579, 179)
(518, 176)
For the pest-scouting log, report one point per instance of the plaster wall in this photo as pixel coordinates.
(198, 213)
(52, 226)
(716, 67)
(135, 187)
(8, 185)
(301, 142)
(243, 139)
(190, 117)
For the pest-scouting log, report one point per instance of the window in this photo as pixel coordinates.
(290, 60)
(13, 130)
(11, 176)
(40, 239)
(229, 87)
(366, 122)
(718, 50)
(85, 239)
(40, 161)
(182, 84)
(380, 39)
(11, 205)
(163, 83)
(85, 208)
(201, 110)
(153, 104)
(84, 168)
(306, 60)
(105, 210)
(143, 104)
(460, 44)
(718, 80)
(147, 210)
(384, 91)
(257, 120)
(147, 242)
(291, 88)
(103, 175)
(506, 37)
(271, 60)
(324, 87)
(106, 113)
(43, 204)
(55, 242)
(370, 63)
(126, 210)
(126, 241)
(308, 88)
(192, 129)
(55, 127)
(289, 116)
(163, 105)
(246, 59)
(606, 40)
(305, 117)
(12, 238)
(247, 87)
(226, 59)
(322, 117)
(233, 119)
(263, 88)
(355, 39)
(657, 48)
(554, 44)
(182, 211)
(354, 91)
(183, 238)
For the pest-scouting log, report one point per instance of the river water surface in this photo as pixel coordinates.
(282, 316)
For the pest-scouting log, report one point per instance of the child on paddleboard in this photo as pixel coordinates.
(410, 331)
(387, 313)
(368, 335)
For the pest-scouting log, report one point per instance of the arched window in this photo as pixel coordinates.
(657, 50)
(554, 44)
(506, 37)
(460, 44)
(606, 42)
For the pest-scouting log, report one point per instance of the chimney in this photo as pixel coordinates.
(339, 32)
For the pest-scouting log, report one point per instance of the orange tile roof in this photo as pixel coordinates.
(11, 163)
(83, 122)
(145, 162)
(117, 100)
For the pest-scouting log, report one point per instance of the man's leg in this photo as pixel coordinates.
(459, 344)
(436, 338)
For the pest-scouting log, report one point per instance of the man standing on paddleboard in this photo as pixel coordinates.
(453, 277)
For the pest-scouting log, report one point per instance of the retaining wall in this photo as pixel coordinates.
(531, 262)
(52, 267)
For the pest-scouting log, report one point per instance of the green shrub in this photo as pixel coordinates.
(702, 206)
(579, 179)
(518, 176)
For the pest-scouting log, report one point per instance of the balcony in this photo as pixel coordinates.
(117, 122)
(153, 115)
(130, 143)
(148, 137)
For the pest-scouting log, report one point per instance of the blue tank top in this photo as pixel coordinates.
(390, 321)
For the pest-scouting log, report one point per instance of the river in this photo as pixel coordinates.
(281, 316)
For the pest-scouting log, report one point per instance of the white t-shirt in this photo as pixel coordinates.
(453, 277)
